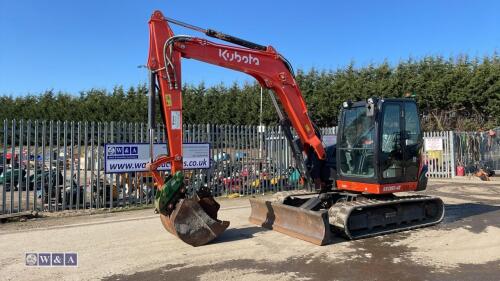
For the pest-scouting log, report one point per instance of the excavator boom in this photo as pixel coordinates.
(267, 66)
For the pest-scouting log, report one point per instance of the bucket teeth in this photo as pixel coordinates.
(311, 226)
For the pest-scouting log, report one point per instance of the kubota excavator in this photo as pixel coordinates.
(352, 184)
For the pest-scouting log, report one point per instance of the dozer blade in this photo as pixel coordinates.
(194, 221)
(311, 226)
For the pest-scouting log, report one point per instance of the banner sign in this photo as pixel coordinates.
(133, 157)
(431, 144)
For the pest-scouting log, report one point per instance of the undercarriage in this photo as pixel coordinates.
(316, 217)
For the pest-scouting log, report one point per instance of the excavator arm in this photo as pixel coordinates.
(266, 65)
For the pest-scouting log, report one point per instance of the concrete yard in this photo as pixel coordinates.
(134, 246)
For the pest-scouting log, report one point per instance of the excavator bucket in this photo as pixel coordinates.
(194, 221)
(311, 226)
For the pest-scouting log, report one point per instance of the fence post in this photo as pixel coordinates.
(28, 164)
(20, 163)
(12, 159)
(451, 138)
(35, 208)
(4, 160)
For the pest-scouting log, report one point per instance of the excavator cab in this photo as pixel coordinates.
(379, 142)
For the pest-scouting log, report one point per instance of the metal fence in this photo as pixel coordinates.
(440, 162)
(54, 166)
(474, 149)
(470, 150)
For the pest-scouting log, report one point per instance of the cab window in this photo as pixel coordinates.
(357, 143)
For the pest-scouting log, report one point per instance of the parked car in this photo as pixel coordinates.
(69, 190)
(240, 155)
(49, 178)
(11, 176)
(222, 156)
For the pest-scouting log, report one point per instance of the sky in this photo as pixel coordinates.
(78, 45)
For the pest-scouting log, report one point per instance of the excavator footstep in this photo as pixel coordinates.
(194, 221)
(311, 226)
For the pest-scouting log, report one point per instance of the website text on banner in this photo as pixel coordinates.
(133, 157)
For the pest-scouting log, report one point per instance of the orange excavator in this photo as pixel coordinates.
(351, 185)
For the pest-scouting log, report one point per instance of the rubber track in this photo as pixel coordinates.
(339, 213)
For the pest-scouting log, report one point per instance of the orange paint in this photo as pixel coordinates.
(376, 188)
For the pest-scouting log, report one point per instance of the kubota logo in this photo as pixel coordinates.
(234, 56)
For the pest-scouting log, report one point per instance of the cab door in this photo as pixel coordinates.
(391, 153)
(400, 142)
(412, 141)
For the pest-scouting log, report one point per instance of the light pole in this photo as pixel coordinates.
(151, 111)
(260, 125)
(260, 115)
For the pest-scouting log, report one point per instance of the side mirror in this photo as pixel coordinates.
(370, 110)
(371, 103)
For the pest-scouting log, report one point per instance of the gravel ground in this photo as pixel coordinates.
(134, 246)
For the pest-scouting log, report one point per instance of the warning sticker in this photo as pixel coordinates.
(176, 120)
(433, 144)
(168, 100)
